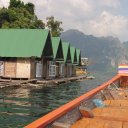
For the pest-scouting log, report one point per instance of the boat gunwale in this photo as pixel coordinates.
(57, 113)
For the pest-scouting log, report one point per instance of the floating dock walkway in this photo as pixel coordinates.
(4, 83)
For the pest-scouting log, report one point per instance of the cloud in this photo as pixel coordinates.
(108, 25)
(71, 12)
(111, 3)
(4, 3)
(72, 9)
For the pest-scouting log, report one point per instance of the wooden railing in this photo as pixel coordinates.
(54, 115)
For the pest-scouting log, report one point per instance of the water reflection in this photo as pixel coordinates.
(21, 106)
(48, 99)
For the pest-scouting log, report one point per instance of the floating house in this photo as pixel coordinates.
(74, 61)
(67, 58)
(82, 63)
(25, 53)
(57, 68)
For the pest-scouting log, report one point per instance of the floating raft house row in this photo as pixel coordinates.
(34, 53)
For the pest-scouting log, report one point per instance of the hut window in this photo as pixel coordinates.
(62, 69)
(52, 69)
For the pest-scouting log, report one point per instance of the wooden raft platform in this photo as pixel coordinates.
(37, 82)
(114, 115)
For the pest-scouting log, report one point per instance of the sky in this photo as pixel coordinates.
(92, 17)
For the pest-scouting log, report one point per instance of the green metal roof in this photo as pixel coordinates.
(66, 51)
(22, 42)
(78, 52)
(57, 48)
(73, 54)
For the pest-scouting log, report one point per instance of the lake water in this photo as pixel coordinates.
(20, 106)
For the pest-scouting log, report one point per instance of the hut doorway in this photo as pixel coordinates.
(1, 68)
(39, 69)
(69, 69)
(52, 69)
(62, 70)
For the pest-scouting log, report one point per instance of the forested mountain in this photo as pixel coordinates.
(104, 53)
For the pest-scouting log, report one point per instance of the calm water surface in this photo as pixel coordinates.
(19, 107)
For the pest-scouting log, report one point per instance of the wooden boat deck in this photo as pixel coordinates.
(114, 115)
(83, 113)
(99, 123)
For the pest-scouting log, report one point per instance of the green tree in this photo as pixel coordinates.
(54, 26)
(19, 15)
(30, 7)
(16, 4)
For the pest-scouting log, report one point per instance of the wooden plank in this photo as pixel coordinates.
(124, 103)
(95, 123)
(124, 114)
(97, 111)
(119, 94)
(113, 113)
(107, 94)
(81, 123)
(125, 125)
(123, 94)
(113, 124)
(115, 95)
(106, 112)
(126, 93)
(107, 102)
(10, 69)
(115, 103)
